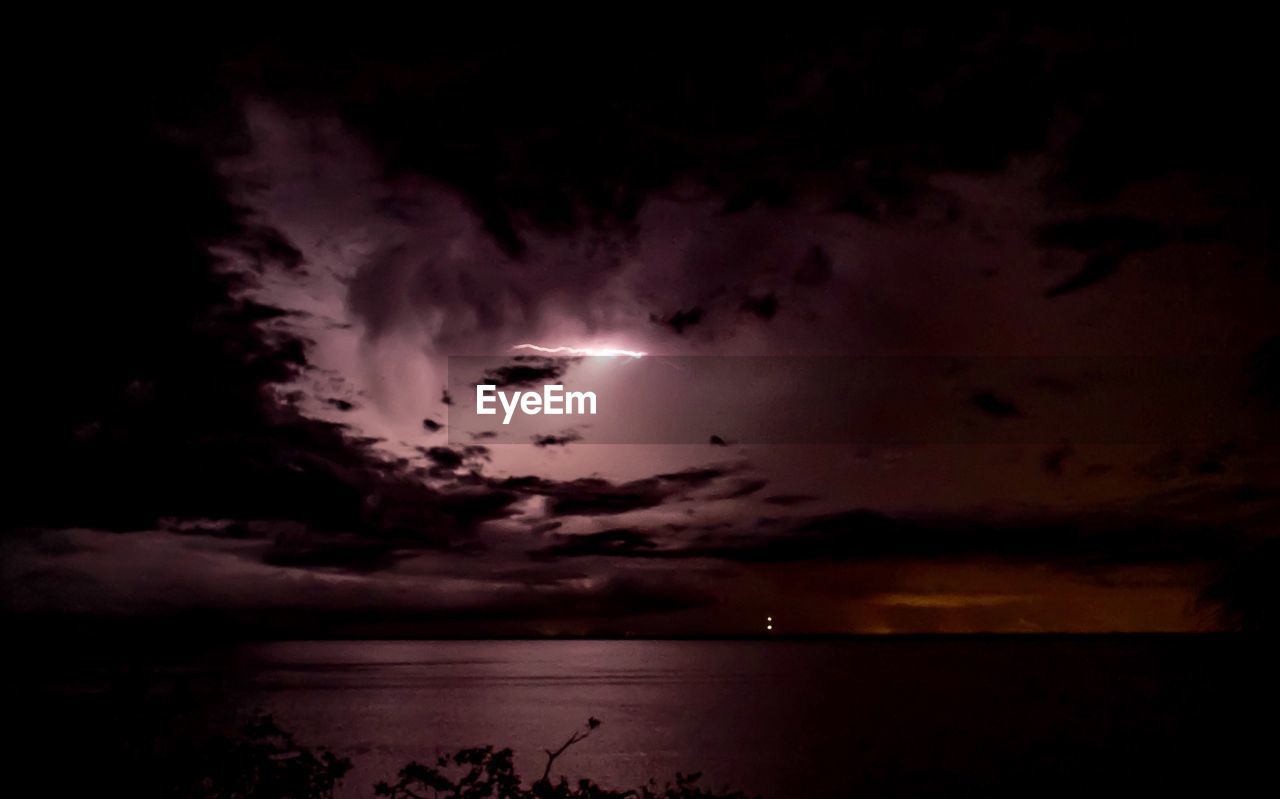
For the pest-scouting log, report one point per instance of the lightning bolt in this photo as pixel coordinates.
(589, 351)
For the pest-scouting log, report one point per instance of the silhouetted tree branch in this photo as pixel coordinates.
(578, 736)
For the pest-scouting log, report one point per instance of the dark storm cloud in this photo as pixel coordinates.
(618, 541)
(1263, 372)
(591, 496)
(594, 142)
(161, 386)
(1175, 463)
(153, 387)
(52, 543)
(1097, 267)
(257, 312)
(815, 270)
(445, 461)
(1245, 588)
(594, 496)
(543, 149)
(1082, 541)
(1163, 467)
(1074, 539)
(266, 245)
(617, 596)
(1163, 112)
(993, 404)
(549, 136)
(526, 370)
(764, 306)
(562, 440)
(743, 487)
(1104, 239)
(699, 476)
(680, 320)
(1055, 385)
(788, 500)
(368, 296)
(1054, 461)
(344, 552)
(156, 388)
(445, 457)
(307, 585)
(613, 597)
(1121, 234)
(600, 128)
(431, 425)
(440, 518)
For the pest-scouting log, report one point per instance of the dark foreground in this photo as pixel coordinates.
(993, 716)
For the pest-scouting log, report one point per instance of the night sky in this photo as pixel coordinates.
(251, 257)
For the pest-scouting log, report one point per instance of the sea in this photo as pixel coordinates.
(870, 716)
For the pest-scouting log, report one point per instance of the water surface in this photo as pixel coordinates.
(786, 719)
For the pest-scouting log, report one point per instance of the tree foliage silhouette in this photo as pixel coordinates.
(263, 762)
(490, 773)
